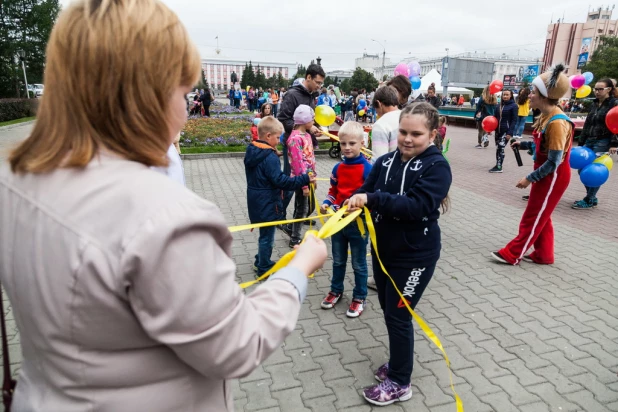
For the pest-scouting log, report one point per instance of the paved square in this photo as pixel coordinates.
(529, 338)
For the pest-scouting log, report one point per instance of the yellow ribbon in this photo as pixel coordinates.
(333, 225)
(426, 329)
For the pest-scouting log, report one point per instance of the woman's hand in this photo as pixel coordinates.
(356, 202)
(515, 143)
(310, 255)
(523, 183)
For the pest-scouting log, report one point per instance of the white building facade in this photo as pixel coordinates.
(218, 72)
(371, 61)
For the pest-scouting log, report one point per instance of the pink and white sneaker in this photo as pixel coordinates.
(387, 392)
(356, 308)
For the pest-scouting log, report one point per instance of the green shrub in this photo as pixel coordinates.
(11, 109)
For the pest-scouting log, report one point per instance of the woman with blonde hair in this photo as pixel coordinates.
(121, 280)
(486, 107)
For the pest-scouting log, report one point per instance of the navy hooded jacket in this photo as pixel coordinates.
(507, 118)
(404, 199)
(266, 183)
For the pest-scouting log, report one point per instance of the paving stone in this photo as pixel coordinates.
(524, 375)
(490, 369)
(606, 359)
(313, 384)
(562, 384)
(433, 394)
(586, 401)
(258, 374)
(322, 404)
(497, 352)
(570, 352)
(302, 360)
(566, 367)
(332, 367)
(525, 353)
(310, 327)
(348, 394)
(603, 374)
(362, 372)
(469, 400)
(320, 346)
(518, 394)
(500, 402)
(258, 395)
(290, 400)
(282, 376)
(601, 392)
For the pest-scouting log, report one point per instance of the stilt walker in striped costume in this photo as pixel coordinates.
(553, 138)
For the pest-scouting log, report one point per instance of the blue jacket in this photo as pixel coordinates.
(266, 183)
(404, 199)
(507, 118)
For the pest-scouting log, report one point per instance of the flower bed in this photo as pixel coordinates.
(216, 134)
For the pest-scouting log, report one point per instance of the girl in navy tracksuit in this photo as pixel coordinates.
(404, 192)
(507, 116)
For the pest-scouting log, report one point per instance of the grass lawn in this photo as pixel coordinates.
(228, 149)
(17, 121)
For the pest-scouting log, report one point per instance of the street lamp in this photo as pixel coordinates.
(383, 53)
(22, 58)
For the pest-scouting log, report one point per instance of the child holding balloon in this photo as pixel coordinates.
(553, 138)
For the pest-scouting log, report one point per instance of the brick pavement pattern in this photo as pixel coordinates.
(528, 339)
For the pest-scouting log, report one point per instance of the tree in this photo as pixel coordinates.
(336, 81)
(301, 71)
(362, 79)
(248, 76)
(345, 86)
(281, 81)
(604, 60)
(24, 25)
(260, 78)
(202, 83)
(328, 81)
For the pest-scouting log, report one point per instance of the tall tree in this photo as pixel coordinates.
(244, 80)
(281, 81)
(328, 81)
(260, 78)
(362, 79)
(336, 81)
(345, 86)
(24, 25)
(202, 82)
(604, 60)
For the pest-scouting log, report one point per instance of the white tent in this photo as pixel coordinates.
(435, 77)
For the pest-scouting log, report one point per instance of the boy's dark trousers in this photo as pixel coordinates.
(303, 207)
(266, 243)
(411, 281)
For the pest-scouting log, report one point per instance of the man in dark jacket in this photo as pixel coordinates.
(507, 121)
(265, 185)
(206, 99)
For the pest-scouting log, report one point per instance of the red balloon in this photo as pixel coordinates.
(496, 86)
(611, 120)
(490, 123)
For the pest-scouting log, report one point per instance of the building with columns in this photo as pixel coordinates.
(218, 71)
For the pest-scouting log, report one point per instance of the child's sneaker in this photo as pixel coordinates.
(387, 392)
(330, 300)
(381, 373)
(356, 308)
(495, 169)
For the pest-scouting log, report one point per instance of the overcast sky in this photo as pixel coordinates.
(293, 31)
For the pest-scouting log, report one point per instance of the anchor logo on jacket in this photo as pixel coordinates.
(388, 161)
(418, 165)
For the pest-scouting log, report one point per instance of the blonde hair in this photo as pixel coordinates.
(112, 67)
(488, 97)
(269, 124)
(352, 129)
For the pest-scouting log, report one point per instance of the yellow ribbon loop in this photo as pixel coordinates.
(426, 329)
(337, 222)
(278, 222)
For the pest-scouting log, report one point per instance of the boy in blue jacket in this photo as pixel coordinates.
(266, 184)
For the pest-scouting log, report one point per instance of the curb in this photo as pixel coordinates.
(199, 156)
(13, 126)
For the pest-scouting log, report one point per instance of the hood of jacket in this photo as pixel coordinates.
(256, 153)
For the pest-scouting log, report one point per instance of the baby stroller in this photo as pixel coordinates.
(335, 147)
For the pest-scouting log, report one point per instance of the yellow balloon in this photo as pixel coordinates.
(605, 160)
(361, 112)
(325, 115)
(583, 91)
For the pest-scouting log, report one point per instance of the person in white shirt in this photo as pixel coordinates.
(386, 128)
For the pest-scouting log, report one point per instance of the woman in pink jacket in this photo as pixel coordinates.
(121, 280)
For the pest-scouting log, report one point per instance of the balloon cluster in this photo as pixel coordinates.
(593, 171)
(362, 107)
(412, 71)
(580, 82)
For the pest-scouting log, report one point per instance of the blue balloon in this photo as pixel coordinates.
(362, 103)
(594, 175)
(416, 82)
(588, 76)
(581, 157)
(256, 121)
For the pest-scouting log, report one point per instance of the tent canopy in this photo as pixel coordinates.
(435, 77)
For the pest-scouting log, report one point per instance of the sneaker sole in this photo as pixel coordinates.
(404, 398)
(497, 258)
(354, 315)
(582, 208)
(495, 171)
